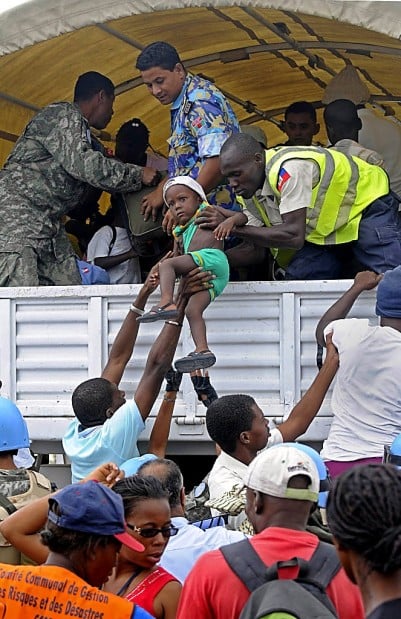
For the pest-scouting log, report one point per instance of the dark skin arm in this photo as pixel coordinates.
(107, 262)
(291, 233)
(123, 345)
(365, 280)
(161, 428)
(307, 408)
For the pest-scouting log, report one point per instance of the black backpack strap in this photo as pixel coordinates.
(323, 565)
(113, 238)
(7, 505)
(245, 562)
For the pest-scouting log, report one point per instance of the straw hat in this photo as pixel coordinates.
(347, 85)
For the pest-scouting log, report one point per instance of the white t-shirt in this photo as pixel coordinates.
(384, 136)
(366, 400)
(128, 272)
(297, 177)
(228, 472)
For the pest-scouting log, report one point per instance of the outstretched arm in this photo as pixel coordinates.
(365, 280)
(161, 428)
(307, 408)
(123, 345)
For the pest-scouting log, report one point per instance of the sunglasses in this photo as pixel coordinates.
(167, 532)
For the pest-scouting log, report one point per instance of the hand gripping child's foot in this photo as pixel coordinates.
(195, 361)
(165, 312)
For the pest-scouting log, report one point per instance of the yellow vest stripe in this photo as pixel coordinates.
(347, 186)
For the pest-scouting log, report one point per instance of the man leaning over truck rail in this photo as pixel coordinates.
(107, 427)
(47, 174)
(330, 207)
(239, 427)
(366, 400)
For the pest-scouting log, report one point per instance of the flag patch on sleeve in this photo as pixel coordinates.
(283, 177)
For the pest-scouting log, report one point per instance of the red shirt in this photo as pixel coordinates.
(145, 592)
(213, 591)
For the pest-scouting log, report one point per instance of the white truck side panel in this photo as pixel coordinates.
(261, 332)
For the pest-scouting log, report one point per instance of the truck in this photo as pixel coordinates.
(262, 333)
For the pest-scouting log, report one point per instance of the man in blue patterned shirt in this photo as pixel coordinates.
(201, 121)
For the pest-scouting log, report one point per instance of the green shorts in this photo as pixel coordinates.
(213, 260)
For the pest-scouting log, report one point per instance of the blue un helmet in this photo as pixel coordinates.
(325, 481)
(13, 429)
(392, 453)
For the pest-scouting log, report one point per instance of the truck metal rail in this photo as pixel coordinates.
(261, 332)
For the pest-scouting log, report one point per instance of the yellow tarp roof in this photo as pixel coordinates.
(264, 55)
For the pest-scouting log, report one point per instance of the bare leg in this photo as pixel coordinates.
(194, 312)
(168, 271)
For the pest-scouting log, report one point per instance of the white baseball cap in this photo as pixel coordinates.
(271, 471)
(188, 181)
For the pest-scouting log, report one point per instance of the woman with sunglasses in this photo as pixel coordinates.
(137, 575)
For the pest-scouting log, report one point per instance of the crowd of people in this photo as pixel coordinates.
(274, 536)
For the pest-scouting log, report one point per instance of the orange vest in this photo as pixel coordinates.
(51, 592)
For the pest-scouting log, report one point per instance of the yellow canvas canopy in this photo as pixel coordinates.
(263, 54)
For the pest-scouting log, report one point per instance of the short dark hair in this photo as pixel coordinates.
(301, 107)
(132, 140)
(342, 113)
(243, 144)
(227, 417)
(134, 489)
(90, 83)
(90, 401)
(169, 474)
(158, 54)
(364, 514)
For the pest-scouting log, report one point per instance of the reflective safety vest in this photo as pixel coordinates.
(39, 486)
(52, 592)
(346, 187)
(281, 255)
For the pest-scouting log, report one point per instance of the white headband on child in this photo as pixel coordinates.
(188, 182)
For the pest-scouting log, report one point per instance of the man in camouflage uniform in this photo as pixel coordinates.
(18, 486)
(47, 174)
(201, 121)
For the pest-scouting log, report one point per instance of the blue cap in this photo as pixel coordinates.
(322, 470)
(131, 466)
(393, 454)
(388, 295)
(91, 508)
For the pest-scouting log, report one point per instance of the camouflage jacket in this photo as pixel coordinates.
(20, 487)
(48, 172)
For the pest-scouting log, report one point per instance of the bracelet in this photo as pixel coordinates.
(173, 322)
(166, 399)
(136, 310)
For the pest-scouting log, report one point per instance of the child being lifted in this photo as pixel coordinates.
(193, 246)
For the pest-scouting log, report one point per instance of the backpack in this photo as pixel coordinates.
(304, 597)
(93, 274)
